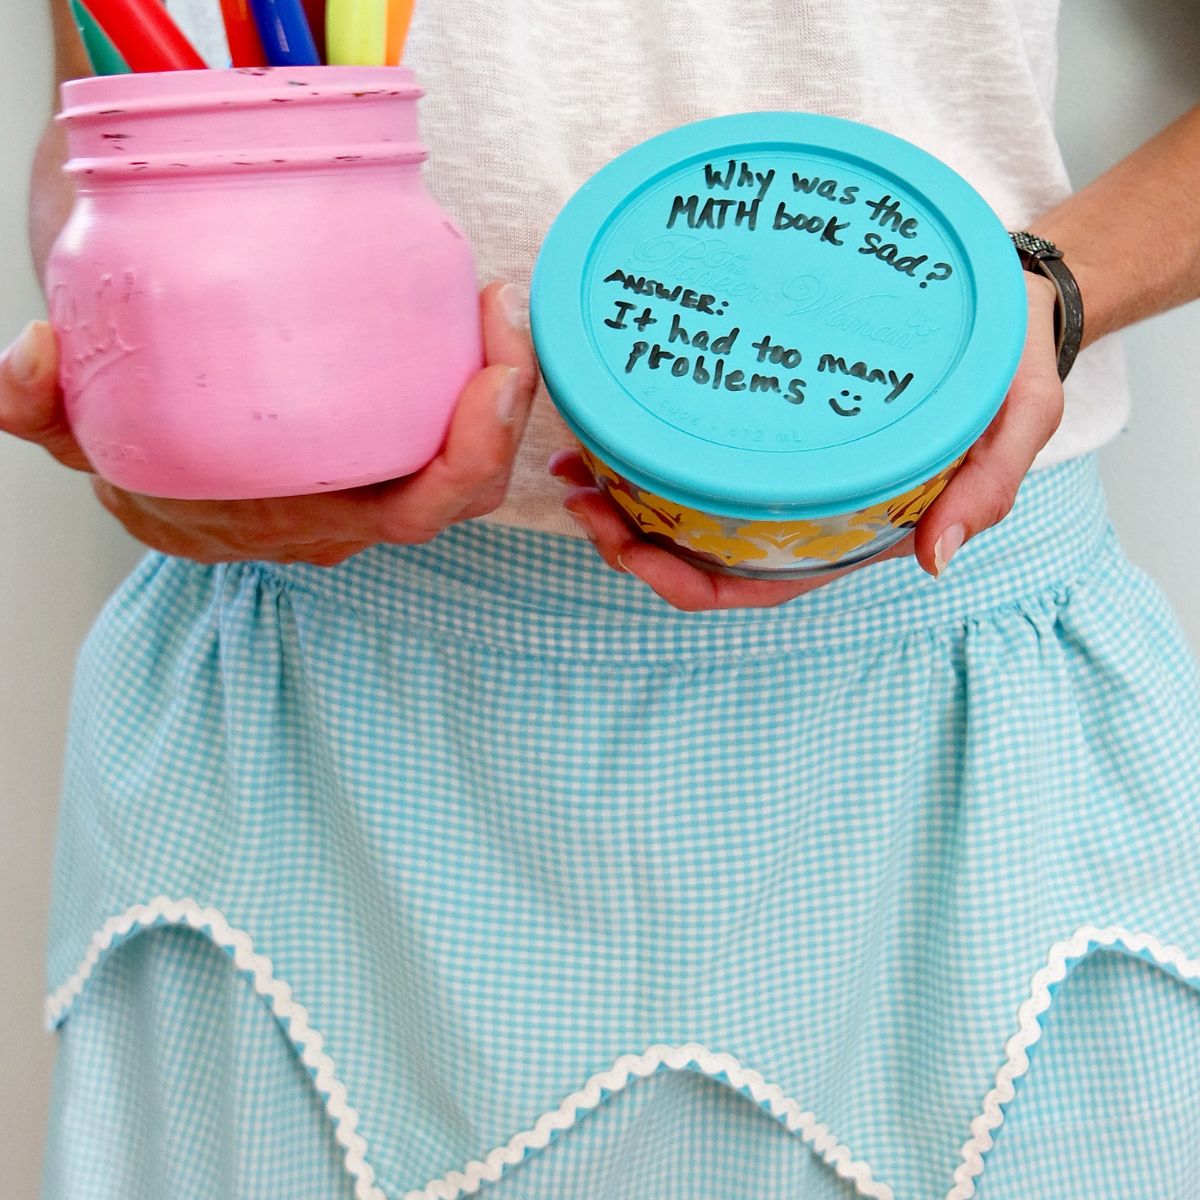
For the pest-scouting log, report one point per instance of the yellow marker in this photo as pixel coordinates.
(399, 18)
(356, 32)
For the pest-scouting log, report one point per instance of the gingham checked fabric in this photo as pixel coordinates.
(475, 866)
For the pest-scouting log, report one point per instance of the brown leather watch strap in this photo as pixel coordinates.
(1045, 258)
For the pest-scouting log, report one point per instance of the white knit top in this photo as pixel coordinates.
(528, 98)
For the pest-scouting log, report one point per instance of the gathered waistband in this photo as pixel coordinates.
(546, 594)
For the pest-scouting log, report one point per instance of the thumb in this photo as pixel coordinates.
(31, 405)
(983, 490)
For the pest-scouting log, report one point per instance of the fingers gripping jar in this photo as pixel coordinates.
(254, 294)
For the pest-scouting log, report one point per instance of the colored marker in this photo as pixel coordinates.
(356, 32)
(145, 36)
(202, 26)
(100, 51)
(315, 11)
(245, 46)
(285, 34)
(399, 18)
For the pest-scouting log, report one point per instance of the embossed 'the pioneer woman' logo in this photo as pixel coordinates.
(91, 318)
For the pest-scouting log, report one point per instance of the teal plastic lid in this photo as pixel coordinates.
(777, 314)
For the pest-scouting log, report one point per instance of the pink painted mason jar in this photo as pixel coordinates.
(255, 295)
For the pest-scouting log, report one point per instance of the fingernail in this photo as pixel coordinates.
(946, 547)
(509, 394)
(560, 473)
(621, 563)
(26, 358)
(512, 301)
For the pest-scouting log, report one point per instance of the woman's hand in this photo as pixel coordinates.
(980, 494)
(468, 477)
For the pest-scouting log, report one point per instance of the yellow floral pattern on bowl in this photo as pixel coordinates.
(768, 549)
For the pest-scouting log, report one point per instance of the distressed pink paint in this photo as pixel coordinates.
(255, 295)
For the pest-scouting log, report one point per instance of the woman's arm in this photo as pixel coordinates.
(1132, 237)
(70, 58)
(50, 191)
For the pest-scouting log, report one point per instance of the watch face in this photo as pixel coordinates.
(1030, 243)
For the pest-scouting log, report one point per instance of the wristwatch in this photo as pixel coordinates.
(1044, 258)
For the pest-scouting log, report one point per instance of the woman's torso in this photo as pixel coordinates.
(525, 101)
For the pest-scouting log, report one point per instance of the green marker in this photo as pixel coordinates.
(101, 51)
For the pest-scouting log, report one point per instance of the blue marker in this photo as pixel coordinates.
(285, 33)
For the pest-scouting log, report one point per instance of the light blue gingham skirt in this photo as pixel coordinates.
(475, 866)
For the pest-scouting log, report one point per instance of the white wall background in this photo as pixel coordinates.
(1129, 67)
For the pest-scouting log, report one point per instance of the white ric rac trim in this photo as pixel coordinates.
(1062, 956)
(294, 1016)
(692, 1056)
(636, 1066)
(291, 1014)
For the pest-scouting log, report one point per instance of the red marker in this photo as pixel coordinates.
(145, 36)
(245, 46)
